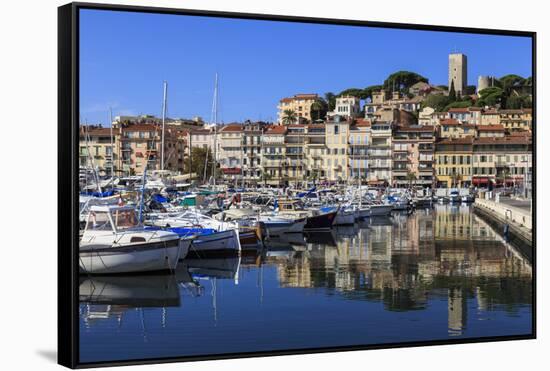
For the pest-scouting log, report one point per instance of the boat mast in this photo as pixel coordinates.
(112, 145)
(165, 88)
(215, 122)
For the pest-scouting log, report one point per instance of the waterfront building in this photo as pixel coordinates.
(336, 164)
(413, 156)
(141, 146)
(467, 115)
(380, 154)
(300, 104)
(458, 72)
(99, 149)
(502, 161)
(453, 162)
(203, 138)
(230, 156)
(315, 151)
(359, 139)
(346, 106)
(295, 161)
(273, 155)
(252, 150)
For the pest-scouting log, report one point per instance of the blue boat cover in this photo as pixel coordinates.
(159, 198)
(302, 194)
(99, 194)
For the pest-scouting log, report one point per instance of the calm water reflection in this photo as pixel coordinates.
(434, 274)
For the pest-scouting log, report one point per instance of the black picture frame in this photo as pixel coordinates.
(68, 137)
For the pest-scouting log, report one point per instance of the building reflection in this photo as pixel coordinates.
(446, 252)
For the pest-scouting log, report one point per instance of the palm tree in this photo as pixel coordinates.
(289, 116)
(318, 107)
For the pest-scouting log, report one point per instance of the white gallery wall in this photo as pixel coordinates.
(28, 90)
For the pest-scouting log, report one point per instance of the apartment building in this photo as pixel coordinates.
(203, 138)
(295, 161)
(315, 151)
(502, 161)
(336, 164)
(273, 155)
(99, 149)
(484, 131)
(380, 153)
(141, 147)
(230, 154)
(516, 119)
(453, 162)
(413, 156)
(300, 104)
(359, 138)
(381, 100)
(252, 148)
(452, 128)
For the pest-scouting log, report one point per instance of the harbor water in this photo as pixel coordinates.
(434, 274)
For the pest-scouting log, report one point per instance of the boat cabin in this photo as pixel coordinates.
(112, 218)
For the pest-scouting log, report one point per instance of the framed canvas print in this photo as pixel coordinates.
(236, 185)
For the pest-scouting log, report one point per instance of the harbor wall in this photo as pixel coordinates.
(507, 212)
(500, 216)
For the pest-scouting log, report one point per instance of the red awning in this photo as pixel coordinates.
(477, 181)
(231, 170)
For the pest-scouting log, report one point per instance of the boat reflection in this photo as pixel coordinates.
(407, 260)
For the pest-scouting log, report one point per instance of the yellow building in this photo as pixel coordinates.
(300, 104)
(336, 159)
(453, 166)
(451, 128)
(516, 119)
(98, 149)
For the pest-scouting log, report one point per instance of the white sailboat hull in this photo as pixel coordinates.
(158, 256)
(224, 241)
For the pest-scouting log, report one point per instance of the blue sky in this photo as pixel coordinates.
(125, 57)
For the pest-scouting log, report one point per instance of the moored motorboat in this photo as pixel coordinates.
(114, 241)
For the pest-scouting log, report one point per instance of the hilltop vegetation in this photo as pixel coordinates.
(509, 92)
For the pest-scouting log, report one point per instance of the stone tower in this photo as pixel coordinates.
(458, 72)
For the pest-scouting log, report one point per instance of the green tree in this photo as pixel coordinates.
(198, 160)
(330, 98)
(437, 101)
(459, 104)
(353, 92)
(519, 101)
(367, 92)
(289, 117)
(319, 109)
(492, 96)
(510, 81)
(402, 81)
